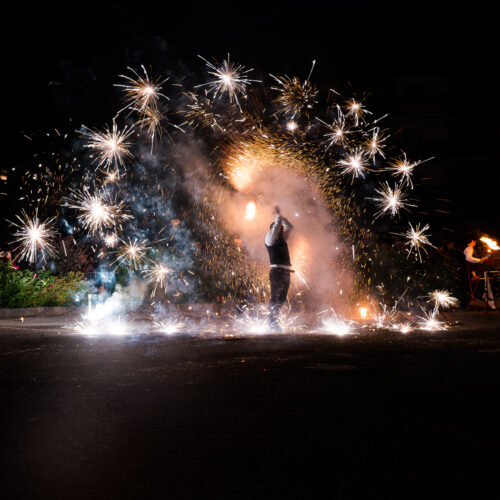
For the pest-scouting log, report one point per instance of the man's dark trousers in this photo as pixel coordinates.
(280, 282)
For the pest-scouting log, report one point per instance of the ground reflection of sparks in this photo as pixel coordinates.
(170, 327)
(429, 321)
(335, 325)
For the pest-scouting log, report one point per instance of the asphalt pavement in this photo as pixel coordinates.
(371, 415)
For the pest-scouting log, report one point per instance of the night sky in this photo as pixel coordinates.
(432, 70)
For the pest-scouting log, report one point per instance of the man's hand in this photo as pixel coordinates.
(485, 258)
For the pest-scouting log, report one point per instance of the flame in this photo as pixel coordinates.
(251, 210)
(492, 244)
(363, 312)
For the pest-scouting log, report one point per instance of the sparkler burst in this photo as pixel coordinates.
(403, 169)
(133, 252)
(295, 98)
(336, 325)
(111, 146)
(356, 111)
(142, 93)
(391, 200)
(416, 238)
(111, 240)
(442, 299)
(430, 322)
(34, 236)
(405, 327)
(383, 316)
(97, 211)
(157, 274)
(230, 79)
(199, 111)
(337, 130)
(355, 164)
(374, 144)
(150, 120)
(170, 327)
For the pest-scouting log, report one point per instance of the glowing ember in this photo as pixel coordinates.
(363, 312)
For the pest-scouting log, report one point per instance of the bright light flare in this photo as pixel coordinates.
(492, 244)
(251, 210)
(170, 327)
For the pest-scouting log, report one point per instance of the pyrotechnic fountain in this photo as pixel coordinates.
(188, 215)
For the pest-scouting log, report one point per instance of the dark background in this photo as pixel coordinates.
(431, 66)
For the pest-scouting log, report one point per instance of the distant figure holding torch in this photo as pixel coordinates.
(476, 266)
(281, 266)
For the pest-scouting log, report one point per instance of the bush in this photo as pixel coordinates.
(39, 288)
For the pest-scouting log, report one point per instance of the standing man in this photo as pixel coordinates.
(469, 257)
(281, 266)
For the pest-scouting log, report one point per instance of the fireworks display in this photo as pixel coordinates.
(211, 210)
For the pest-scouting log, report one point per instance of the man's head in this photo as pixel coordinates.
(472, 243)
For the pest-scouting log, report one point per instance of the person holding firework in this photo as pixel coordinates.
(281, 266)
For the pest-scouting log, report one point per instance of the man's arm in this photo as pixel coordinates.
(272, 235)
(287, 227)
(469, 258)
